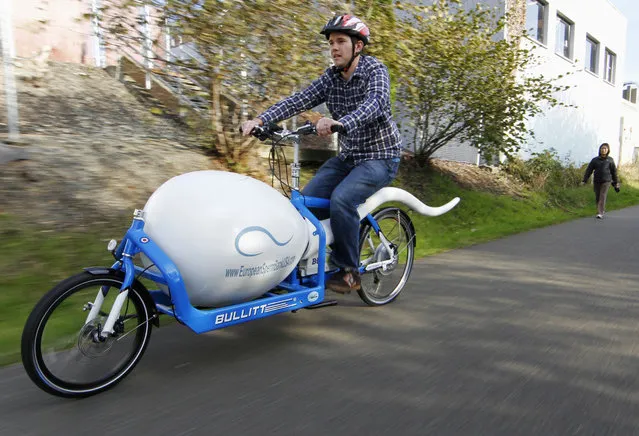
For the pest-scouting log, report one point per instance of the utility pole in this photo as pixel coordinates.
(98, 42)
(147, 44)
(8, 55)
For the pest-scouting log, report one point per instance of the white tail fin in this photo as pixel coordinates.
(384, 195)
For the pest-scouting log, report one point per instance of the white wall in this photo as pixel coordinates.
(630, 134)
(576, 133)
(458, 152)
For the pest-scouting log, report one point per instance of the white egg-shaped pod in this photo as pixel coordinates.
(232, 237)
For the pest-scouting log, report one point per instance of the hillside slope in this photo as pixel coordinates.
(94, 151)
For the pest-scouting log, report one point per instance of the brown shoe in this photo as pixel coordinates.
(344, 282)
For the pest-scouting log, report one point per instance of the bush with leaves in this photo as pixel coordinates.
(545, 171)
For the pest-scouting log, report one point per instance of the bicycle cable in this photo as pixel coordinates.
(276, 156)
(170, 295)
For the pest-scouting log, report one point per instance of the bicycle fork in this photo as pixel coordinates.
(390, 249)
(390, 252)
(116, 309)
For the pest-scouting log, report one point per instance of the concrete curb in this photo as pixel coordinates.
(11, 153)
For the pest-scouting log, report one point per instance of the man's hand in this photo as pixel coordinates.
(248, 126)
(323, 126)
(617, 187)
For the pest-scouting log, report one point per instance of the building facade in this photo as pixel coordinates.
(585, 42)
(67, 31)
(56, 26)
(629, 146)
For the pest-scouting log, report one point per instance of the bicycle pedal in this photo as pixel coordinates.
(325, 303)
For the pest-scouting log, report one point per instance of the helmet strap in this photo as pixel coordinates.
(353, 56)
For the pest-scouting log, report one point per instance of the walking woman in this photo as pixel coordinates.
(605, 175)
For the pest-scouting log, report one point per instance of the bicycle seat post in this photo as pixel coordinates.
(295, 166)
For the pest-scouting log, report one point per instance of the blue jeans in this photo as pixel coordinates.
(347, 186)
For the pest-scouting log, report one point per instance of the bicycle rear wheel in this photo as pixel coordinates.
(66, 356)
(383, 286)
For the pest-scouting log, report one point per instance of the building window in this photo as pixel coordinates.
(563, 45)
(536, 20)
(592, 54)
(630, 92)
(610, 66)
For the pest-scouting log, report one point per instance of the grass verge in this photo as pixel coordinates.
(32, 260)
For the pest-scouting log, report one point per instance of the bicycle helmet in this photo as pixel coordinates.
(349, 25)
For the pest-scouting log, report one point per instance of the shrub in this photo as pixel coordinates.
(544, 171)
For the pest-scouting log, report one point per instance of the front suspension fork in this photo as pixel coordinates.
(116, 309)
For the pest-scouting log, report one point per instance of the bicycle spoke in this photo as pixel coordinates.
(381, 285)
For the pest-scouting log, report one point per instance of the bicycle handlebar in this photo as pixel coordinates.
(272, 130)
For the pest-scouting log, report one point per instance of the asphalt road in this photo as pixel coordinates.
(535, 334)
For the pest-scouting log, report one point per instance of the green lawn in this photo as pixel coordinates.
(33, 260)
(482, 216)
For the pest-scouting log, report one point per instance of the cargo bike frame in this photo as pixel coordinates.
(121, 310)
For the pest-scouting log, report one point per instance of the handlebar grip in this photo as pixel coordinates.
(336, 128)
(258, 130)
(254, 129)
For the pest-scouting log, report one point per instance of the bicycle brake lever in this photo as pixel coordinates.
(306, 129)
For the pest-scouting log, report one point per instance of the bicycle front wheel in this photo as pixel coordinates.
(66, 356)
(381, 286)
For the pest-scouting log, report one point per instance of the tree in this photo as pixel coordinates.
(379, 16)
(256, 51)
(461, 80)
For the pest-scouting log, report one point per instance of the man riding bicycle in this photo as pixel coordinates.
(356, 90)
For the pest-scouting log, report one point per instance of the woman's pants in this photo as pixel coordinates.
(601, 192)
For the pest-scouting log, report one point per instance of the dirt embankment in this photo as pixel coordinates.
(93, 150)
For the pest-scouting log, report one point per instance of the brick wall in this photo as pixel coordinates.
(52, 23)
(61, 26)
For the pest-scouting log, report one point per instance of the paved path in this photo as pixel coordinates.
(535, 334)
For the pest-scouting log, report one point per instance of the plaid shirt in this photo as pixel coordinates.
(361, 104)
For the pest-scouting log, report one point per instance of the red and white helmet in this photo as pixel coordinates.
(349, 25)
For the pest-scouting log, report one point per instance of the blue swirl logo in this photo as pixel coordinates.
(261, 230)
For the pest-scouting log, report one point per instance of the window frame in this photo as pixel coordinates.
(570, 25)
(629, 93)
(543, 5)
(597, 45)
(609, 54)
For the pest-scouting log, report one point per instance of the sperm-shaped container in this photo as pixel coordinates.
(232, 237)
